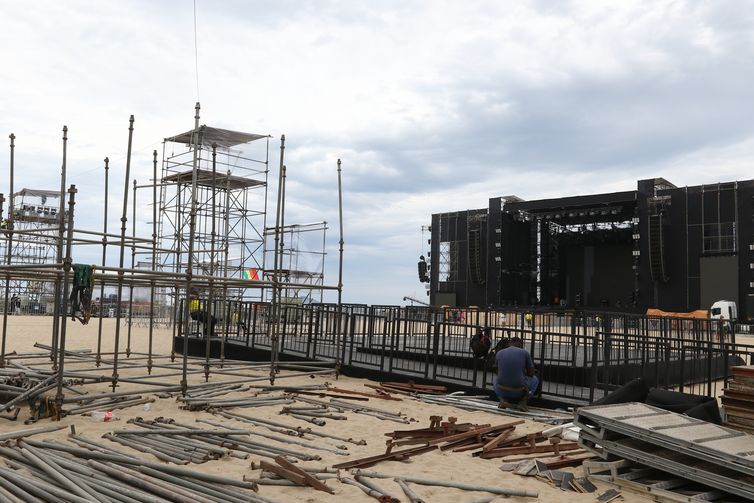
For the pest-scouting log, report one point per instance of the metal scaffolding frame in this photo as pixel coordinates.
(205, 221)
(300, 261)
(34, 219)
(230, 196)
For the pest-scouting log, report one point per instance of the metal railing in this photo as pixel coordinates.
(580, 356)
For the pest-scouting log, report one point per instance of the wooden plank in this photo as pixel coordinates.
(370, 395)
(495, 441)
(386, 390)
(469, 447)
(411, 385)
(282, 472)
(569, 461)
(474, 433)
(505, 451)
(395, 455)
(309, 479)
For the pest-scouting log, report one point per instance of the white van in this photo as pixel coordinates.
(725, 309)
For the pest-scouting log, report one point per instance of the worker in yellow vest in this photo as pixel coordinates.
(198, 312)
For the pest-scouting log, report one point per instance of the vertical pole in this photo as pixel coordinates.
(178, 244)
(226, 234)
(279, 289)
(264, 219)
(190, 261)
(66, 281)
(340, 259)
(59, 255)
(211, 298)
(9, 249)
(273, 307)
(122, 248)
(131, 286)
(154, 259)
(104, 259)
(324, 255)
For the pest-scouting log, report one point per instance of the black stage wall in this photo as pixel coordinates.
(674, 248)
(598, 275)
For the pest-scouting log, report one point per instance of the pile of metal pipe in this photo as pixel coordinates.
(340, 406)
(226, 403)
(340, 450)
(502, 491)
(362, 480)
(477, 404)
(108, 404)
(285, 428)
(196, 445)
(20, 388)
(54, 472)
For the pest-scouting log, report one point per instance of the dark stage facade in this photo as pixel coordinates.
(659, 246)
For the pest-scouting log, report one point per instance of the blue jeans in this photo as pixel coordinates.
(531, 382)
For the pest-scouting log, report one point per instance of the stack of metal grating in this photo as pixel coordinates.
(689, 449)
(738, 399)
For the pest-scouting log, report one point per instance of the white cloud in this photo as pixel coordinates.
(433, 106)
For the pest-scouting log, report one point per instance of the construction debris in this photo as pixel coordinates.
(609, 495)
(479, 404)
(685, 447)
(449, 435)
(284, 428)
(449, 483)
(738, 399)
(656, 484)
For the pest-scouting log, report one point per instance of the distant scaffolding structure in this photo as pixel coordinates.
(302, 261)
(35, 223)
(231, 197)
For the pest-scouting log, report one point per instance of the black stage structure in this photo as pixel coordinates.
(659, 246)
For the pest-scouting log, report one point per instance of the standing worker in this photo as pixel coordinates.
(515, 380)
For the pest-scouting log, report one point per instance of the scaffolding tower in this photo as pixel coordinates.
(35, 225)
(302, 253)
(231, 204)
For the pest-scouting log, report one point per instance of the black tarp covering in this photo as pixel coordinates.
(699, 407)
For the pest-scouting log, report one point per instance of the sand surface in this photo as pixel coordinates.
(24, 331)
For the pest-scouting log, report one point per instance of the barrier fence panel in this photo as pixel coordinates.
(580, 355)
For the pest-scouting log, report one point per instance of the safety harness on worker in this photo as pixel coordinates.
(81, 292)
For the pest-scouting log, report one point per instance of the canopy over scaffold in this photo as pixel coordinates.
(224, 138)
(37, 193)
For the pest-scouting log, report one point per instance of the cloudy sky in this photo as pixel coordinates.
(433, 106)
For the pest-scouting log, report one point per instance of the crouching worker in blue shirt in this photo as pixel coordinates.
(515, 381)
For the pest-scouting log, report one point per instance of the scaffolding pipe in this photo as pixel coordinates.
(66, 282)
(104, 259)
(275, 279)
(9, 250)
(133, 266)
(225, 261)
(154, 259)
(339, 333)
(59, 254)
(123, 220)
(209, 316)
(279, 290)
(190, 260)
